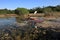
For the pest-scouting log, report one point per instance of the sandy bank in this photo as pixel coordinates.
(8, 15)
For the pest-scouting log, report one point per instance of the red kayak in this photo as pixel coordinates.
(38, 21)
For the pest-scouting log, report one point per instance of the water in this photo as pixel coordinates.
(4, 22)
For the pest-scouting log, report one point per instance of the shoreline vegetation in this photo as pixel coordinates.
(52, 14)
(47, 11)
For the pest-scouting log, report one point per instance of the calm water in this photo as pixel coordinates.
(7, 21)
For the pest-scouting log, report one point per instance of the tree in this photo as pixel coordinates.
(47, 11)
(38, 9)
(31, 10)
(58, 8)
(21, 11)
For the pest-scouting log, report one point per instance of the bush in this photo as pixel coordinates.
(21, 11)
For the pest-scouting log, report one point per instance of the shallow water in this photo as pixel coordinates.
(4, 22)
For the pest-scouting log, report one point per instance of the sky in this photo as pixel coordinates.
(13, 4)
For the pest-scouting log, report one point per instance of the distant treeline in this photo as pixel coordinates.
(45, 9)
(38, 9)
